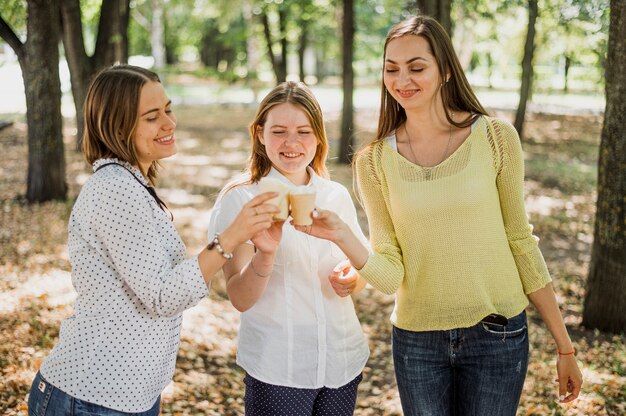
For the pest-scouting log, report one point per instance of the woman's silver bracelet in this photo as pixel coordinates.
(254, 270)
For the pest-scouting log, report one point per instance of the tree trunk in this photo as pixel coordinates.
(279, 62)
(568, 62)
(157, 34)
(111, 47)
(112, 40)
(527, 66)
(304, 33)
(39, 61)
(605, 300)
(347, 114)
(78, 62)
(282, 25)
(439, 9)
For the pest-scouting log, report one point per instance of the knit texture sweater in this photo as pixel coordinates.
(452, 241)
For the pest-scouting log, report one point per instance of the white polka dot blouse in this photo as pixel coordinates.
(119, 348)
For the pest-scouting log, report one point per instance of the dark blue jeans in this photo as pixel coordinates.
(478, 370)
(46, 400)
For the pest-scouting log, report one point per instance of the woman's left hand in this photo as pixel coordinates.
(570, 378)
(343, 279)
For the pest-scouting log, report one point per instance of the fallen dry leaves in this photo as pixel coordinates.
(36, 293)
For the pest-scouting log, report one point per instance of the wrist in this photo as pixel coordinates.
(228, 241)
(261, 265)
(562, 353)
(265, 257)
(342, 235)
(216, 245)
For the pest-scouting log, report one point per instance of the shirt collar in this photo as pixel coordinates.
(314, 180)
(123, 163)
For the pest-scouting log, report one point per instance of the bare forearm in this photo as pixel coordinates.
(544, 300)
(245, 288)
(352, 247)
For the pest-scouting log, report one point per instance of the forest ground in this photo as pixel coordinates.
(36, 293)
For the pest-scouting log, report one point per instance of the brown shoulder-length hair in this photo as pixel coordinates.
(111, 113)
(298, 94)
(456, 93)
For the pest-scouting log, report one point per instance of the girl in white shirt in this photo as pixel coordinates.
(117, 352)
(300, 341)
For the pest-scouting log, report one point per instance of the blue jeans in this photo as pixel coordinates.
(478, 370)
(46, 400)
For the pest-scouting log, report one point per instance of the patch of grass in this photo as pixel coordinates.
(570, 177)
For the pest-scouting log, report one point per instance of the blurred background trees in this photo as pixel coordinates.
(534, 45)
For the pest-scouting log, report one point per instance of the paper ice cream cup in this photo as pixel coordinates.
(281, 201)
(302, 200)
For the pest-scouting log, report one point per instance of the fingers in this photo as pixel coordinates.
(568, 390)
(343, 267)
(342, 285)
(574, 389)
(562, 389)
(261, 198)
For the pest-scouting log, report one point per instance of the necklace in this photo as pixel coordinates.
(427, 169)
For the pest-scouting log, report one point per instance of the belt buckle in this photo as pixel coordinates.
(41, 386)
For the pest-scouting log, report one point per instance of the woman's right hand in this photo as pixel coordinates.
(254, 217)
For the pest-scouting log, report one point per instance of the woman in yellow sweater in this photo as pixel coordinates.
(442, 187)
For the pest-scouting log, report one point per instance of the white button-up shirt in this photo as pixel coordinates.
(300, 333)
(119, 348)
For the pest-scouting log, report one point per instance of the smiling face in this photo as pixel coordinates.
(411, 74)
(154, 132)
(290, 141)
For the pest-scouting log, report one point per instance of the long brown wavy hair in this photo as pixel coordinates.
(456, 94)
(298, 94)
(111, 113)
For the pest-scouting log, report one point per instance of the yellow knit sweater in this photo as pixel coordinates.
(453, 241)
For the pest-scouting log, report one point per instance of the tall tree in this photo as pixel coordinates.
(605, 300)
(347, 114)
(279, 59)
(302, 45)
(38, 57)
(527, 66)
(111, 46)
(439, 9)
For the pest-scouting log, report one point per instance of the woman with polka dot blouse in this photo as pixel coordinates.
(300, 341)
(118, 351)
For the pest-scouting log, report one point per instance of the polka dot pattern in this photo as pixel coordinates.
(263, 399)
(119, 348)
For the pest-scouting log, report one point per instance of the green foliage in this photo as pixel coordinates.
(488, 36)
(576, 30)
(14, 13)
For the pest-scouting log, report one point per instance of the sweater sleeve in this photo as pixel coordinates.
(384, 268)
(530, 264)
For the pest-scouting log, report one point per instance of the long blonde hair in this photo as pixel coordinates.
(111, 114)
(456, 94)
(298, 94)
